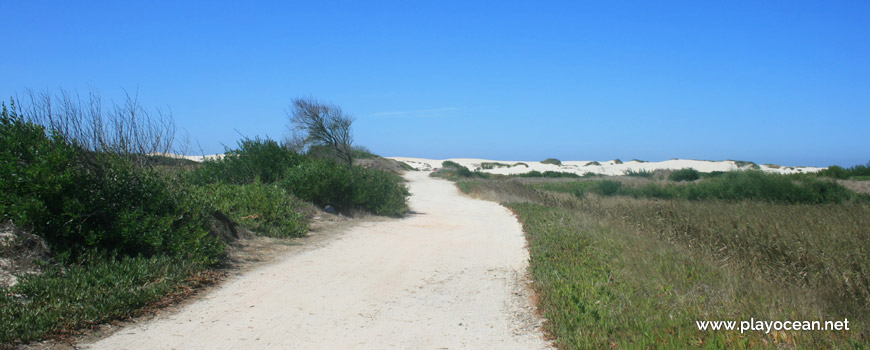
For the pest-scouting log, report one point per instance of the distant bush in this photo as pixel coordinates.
(713, 174)
(553, 161)
(493, 165)
(550, 174)
(685, 174)
(638, 173)
(617, 161)
(523, 164)
(592, 163)
(839, 172)
(746, 164)
(453, 171)
(735, 185)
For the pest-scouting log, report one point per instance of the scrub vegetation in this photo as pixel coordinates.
(125, 228)
(633, 264)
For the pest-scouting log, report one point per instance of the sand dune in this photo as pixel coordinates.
(602, 167)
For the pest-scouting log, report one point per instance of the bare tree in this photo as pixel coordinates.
(322, 124)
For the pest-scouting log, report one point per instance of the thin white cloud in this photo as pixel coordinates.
(419, 113)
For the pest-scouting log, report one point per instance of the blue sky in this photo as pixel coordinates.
(769, 81)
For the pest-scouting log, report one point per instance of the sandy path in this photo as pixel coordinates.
(450, 276)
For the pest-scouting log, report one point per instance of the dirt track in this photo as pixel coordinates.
(450, 276)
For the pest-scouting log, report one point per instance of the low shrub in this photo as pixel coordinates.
(327, 183)
(685, 174)
(452, 171)
(639, 173)
(263, 208)
(549, 174)
(493, 165)
(593, 163)
(63, 299)
(553, 161)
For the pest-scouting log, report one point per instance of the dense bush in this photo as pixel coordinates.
(327, 183)
(320, 181)
(857, 172)
(553, 161)
(86, 203)
(256, 158)
(685, 174)
(263, 208)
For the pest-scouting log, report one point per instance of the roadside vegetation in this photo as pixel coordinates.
(633, 264)
(107, 228)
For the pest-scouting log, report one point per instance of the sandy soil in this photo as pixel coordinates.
(450, 276)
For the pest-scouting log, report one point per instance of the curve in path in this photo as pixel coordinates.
(449, 276)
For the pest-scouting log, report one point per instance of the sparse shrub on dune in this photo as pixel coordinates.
(552, 161)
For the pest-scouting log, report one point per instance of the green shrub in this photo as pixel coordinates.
(327, 183)
(379, 192)
(639, 173)
(593, 163)
(85, 203)
(553, 161)
(493, 165)
(520, 163)
(839, 172)
(263, 208)
(550, 174)
(685, 174)
(617, 161)
(453, 170)
(257, 158)
(746, 164)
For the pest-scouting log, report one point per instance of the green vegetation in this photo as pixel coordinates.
(127, 231)
(858, 172)
(493, 165)
(746, 164)
(521, 163)
(552, 174)
(685, 174)
(266, 209)
(737, 185)
(64, 299)
(624, 272)
(593, 163)
(553, 161)
(453, 171)
(617, 161)
(639, 173)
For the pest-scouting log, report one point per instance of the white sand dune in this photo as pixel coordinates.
(602, 167)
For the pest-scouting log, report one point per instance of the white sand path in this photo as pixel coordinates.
(450, 276)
